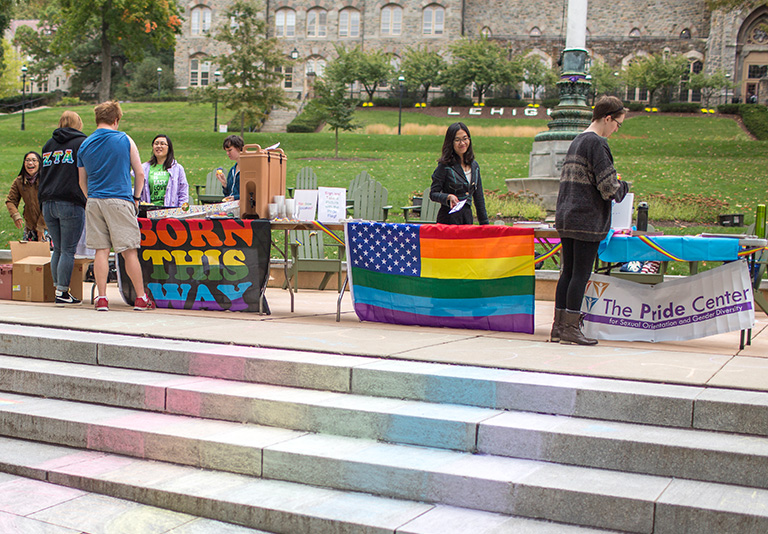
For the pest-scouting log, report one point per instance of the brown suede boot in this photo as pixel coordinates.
(557, 326)
(571, 333)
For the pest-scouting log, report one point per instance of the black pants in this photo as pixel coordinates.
(578, 257)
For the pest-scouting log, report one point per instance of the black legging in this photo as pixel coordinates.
(578, 257)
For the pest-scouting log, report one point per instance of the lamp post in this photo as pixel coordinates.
(401, 79)
(727, 83)
(294, 54)
(23, 93)
(159, 73)
(216, 101)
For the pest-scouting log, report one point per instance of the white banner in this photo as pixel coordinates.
(713, 302)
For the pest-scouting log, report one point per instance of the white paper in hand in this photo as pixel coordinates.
(458, 206)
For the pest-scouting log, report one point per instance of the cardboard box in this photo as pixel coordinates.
(262, 177)
(6, 281)
(32, 280)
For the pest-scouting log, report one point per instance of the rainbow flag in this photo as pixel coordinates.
(478, 277)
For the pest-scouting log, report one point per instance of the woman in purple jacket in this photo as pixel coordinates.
(166, 183)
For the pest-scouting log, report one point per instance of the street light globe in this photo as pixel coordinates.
(294, 54)
(401, 78)
(24, 69)
(159, 70)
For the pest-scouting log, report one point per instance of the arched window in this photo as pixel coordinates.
(486, 32)
(391, 20)
(685, 34)
(634, 33)
(535, 32)
(433, 20)
(315, 66)
(317, 22)
(349, 23)
(199, 71)
(200, 18)
(285, 23)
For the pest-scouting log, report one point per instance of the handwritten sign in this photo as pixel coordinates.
(306, 204)
(331, 204)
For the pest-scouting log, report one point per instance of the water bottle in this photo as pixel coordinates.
(642, 217)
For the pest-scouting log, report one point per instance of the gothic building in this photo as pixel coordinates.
(618, 31)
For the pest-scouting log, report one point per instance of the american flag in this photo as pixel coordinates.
(393, 249)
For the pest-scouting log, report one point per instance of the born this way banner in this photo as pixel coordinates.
(210, 264)
(709, 303)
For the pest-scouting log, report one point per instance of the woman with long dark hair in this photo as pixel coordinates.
(25, 188)
(457, 179)
(588, 184)
(166, 182)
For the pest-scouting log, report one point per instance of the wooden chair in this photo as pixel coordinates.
(428, 210)
(305, 179)
(214, 192)
(308, 255)
(367, 198)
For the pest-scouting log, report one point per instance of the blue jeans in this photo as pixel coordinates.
(65, 222)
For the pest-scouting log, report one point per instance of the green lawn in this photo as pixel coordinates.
(675, 155)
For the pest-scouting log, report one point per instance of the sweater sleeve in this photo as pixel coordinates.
(606, 179)
(13, 199)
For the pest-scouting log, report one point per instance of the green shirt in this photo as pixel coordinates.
(158, 182)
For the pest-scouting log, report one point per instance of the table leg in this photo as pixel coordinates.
(341, 295)
(285, 268)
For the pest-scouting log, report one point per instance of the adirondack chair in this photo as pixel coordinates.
(214, 192)
(308, 255)
(367, 198)
(428, 209)
(305, 179)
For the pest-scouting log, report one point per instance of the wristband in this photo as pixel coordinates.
(137, 199)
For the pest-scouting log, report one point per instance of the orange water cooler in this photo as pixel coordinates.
(262, 177)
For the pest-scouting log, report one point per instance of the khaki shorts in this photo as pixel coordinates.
(111, 223)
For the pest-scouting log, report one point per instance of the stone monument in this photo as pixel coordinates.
(569, 118)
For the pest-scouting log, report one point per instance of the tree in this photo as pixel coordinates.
(10, 85)
(709, 85)
(253, 69)
(480, 62)
(421, 68)
(605, 79)
(370, 68)
(131, 23)
(537, 74)
(656, 73)
(5, 22)
(336, 109)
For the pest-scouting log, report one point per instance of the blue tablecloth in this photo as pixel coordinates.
(622, 248)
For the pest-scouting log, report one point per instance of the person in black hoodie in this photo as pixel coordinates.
(63, 201)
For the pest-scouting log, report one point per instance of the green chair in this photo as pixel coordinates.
(305, 179)
(214, 192)
(367, 199)
(427, 211)
(308, 255)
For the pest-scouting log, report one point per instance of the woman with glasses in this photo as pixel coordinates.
(456, 181)
(63, 200)
(25, 188)
(588, 184)
(166, 182)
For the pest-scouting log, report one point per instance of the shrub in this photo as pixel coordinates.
(506, 102)
(69, 101)
(550, 102)
(635, 106)
(755, 117)
(443, 101)
(697, 208)
(308, 121)
(680, 107)
(393, 102)
(728, 109)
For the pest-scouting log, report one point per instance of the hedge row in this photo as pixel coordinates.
(308, 121)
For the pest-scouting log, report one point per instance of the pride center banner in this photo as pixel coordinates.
(709, 303)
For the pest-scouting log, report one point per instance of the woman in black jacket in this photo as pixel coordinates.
(63, 201)
(457, 179)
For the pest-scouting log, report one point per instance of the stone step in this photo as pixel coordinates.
(541, 490)
(30, 506)
(269, 505)
(596, 398)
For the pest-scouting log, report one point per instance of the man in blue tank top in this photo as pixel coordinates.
(104, 161)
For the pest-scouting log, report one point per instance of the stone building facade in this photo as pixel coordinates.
(618, 31)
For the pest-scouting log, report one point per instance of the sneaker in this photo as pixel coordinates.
(144, 303)
(101, 304)
(64, 297)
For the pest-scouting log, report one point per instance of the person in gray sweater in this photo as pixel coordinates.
(588, 184)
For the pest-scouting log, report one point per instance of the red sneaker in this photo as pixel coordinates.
(144, 303)
(101, 304)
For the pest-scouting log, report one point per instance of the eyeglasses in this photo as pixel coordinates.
(159, 143)
(618, 124)
(32, 160)
(459, 140)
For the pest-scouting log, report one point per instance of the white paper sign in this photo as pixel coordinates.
(709, 303)
(331, 204)
(306, 204)
(621, 213)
